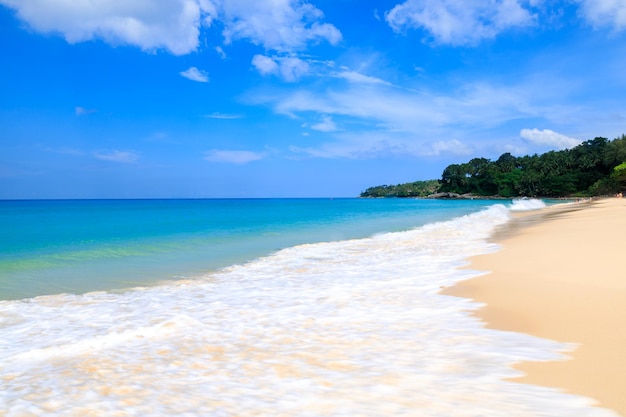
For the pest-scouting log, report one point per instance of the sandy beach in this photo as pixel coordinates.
(560, 274)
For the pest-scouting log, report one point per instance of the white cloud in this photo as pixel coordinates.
(549, 138)
(220, 52)
(194, 74)
(460, 22)
(288, 68)
(604, 13)
(291, 69)
(356, 77)
(265, 65)
(117, 156)
(233, 157)
(170, 24)
(279, 25)
(325, 125)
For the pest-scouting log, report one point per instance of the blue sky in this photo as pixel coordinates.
(286, 98)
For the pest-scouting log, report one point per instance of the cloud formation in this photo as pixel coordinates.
(278, 25)
(194, 74)
(289, 69)
(426, 121)
(170, 24)
(604, 13)
(549, 138)
(460, 22)
(283, 26)
(358, 78)
(125, 157)
(232, 157)
(419, 113)
(325, 125)
(175, 25)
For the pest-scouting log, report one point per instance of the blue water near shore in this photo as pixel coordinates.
(258, 308)
(49, 247)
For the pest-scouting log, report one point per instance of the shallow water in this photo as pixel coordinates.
(51, 247)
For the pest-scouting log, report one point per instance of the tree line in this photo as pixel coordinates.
(595, 167)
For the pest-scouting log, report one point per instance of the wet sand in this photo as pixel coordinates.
(561, 275)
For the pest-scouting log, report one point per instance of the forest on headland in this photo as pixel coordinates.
(595, 167)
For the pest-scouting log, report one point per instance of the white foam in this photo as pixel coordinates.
(345, 328)
(526, 204)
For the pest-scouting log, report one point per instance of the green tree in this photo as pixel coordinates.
(615, 152)
(508, 183)
(506, 163)
(412, 189)
(619, 174)
(455, 179)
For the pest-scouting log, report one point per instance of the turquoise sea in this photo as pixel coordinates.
(75, 246)
(288, 307)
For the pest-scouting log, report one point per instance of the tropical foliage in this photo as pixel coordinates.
(412, 189)
(594, 167)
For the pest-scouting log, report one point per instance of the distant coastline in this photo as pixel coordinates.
(596, 167)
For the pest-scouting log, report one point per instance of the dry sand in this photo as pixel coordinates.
(561, 275)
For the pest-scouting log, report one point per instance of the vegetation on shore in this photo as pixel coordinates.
(595, 167)
(410, 189)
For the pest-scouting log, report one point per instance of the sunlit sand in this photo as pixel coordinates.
(561, 276)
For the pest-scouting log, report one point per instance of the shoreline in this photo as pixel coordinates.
(558, 276)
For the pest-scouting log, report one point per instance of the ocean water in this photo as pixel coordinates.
(49, 247)
(257, 308)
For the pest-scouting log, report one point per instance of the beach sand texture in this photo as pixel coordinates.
(561, 275)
